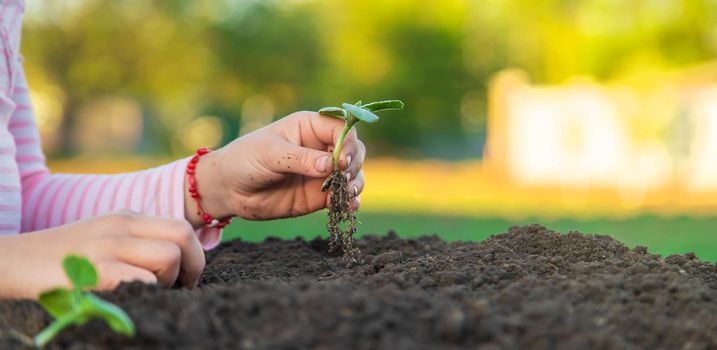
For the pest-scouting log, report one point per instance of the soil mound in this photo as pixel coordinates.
(529, 288)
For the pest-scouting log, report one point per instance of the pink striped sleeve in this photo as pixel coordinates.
(55, 199)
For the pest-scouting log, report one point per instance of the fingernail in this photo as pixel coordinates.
(348, 176)
(348, 160)
(355, 191)
(322, 164)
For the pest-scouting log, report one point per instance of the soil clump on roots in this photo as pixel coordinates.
(529, 288)
(342, 220)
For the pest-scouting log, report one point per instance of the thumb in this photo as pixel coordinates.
(307, 161)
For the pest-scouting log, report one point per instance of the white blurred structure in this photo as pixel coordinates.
(585, 135)
(701, 169)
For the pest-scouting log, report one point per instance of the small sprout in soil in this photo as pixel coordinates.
(77, 307)
(340, 213)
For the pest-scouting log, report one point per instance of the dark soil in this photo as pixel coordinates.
(529, 288)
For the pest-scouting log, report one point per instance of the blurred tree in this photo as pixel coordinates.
(149, 51)
(265, 49)
(241, 60)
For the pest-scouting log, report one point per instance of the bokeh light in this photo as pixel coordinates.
(205, 131)
(108, 124)
(257, 111)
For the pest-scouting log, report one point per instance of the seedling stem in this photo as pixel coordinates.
(51, 331)
(340, 145)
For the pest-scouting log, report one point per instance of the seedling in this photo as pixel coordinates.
(339, 210)
(77, 307)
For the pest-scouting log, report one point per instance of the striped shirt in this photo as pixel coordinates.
(31, 198)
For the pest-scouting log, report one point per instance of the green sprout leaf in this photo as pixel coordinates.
(333, 112)
(115, 317)
(80, 271)
(57, 302)
(75, 307)
(360, 113)
(384, 105)
(352, 113)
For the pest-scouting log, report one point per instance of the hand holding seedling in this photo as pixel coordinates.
(277, 171)
(274, 172)
(342, 216)
(76, 306)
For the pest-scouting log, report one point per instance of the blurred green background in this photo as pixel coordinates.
(116, 79)
(662, 235)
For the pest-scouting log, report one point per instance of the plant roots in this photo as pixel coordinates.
(342, 220)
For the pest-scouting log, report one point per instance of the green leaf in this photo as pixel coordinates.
(361, 113)
(384, 105)
(58, 301)
(333, 112)
(80, 271)
(115, 317)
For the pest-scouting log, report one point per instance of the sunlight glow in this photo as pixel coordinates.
(205, 131)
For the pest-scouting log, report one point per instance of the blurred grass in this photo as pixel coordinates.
(403, 196)
(662, 235)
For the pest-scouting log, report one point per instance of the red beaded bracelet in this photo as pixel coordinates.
(191, 166)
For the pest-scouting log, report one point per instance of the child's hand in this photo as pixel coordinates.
(277, 171)
(123, 246)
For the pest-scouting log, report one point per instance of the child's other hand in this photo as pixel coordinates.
(123, 246)
(277, 171)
